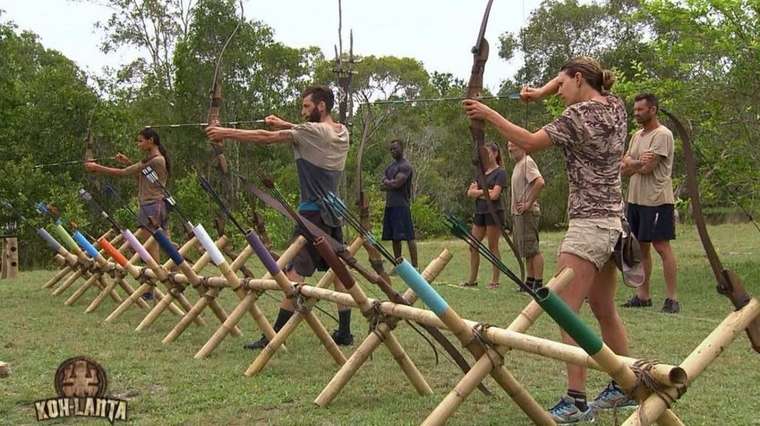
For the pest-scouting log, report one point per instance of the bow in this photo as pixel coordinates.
(477, 129)
(728, 282)
(215, 104)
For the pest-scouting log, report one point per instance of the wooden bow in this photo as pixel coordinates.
(728, 282)
(477, 130)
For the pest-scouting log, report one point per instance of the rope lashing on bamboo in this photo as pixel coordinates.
(299, 300)
(479, 333)
(143, 278)
(375, 316)
(175, 285)
(642, 369)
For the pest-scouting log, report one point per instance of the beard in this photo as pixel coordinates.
(315, 116)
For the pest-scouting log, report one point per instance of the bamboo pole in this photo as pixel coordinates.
(5, 370)
(65, 270)
(498, 336)
(154, 272)
(650, 410)
(380, 335)
(266, 354)
(485, 364)
(248, 304)
(178, 288)
(208, 297)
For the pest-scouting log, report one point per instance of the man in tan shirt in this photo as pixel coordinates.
(649, 163)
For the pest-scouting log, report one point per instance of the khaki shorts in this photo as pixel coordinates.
(592, 239)
(525, 228)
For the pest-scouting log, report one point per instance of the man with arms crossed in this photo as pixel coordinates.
(649, 163)
(397, 218)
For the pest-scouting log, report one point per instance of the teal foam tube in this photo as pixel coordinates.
(424, 290)
(569, 321)
(64, 237)
(82, 241)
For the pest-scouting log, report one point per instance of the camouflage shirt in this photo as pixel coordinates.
(592, 137)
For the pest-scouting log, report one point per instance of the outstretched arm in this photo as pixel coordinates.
(259, 137)
(93, 167)
(526, 140)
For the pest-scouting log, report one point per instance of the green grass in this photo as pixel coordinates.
(169, 387)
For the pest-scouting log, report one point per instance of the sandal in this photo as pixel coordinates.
(468, 284)
(494, 285)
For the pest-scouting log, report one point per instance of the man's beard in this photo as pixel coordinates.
(315, 116)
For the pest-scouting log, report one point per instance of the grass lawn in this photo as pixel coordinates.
(165, 385)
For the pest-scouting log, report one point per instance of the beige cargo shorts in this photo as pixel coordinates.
(592, 239)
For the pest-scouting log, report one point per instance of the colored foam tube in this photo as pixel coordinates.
(421, 287)
(168, 247)
(135, 244)
(208, 244)
(113, 252)
(64, 237)
(51, 242)
(262, 253)
(89, 248)
(569, 321)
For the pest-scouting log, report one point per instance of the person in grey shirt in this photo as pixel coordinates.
(320, 147)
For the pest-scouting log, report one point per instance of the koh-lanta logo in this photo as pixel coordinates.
(81, 385)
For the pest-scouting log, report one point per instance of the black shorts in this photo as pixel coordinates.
(397, 224)
(652, 223)
(486, 219)
(308, 260)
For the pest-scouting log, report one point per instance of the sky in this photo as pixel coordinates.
(440, 33)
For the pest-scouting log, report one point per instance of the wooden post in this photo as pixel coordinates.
(10, 258)
(5, 370)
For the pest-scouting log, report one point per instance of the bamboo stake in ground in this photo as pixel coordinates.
(466, 336)
(158, 273)
(68, 267)
(207, 295)
(191, 276)
(380, 335)
(248, 304)
(266, 354)
(5, 370)
(101, 278)
(650, 410)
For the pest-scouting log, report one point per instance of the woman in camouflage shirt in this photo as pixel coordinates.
(591, 133)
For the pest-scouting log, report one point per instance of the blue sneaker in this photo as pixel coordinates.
(612, 397)
(566, 412)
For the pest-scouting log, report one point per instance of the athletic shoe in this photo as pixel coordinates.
(566, 412)
(257, 344)
(671, 307)
(635, 302)
(147, 296)
(611, 397)
(468, 284)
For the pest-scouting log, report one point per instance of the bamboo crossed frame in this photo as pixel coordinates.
(653, 408)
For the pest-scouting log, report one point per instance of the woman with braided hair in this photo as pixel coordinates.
(591, 133)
